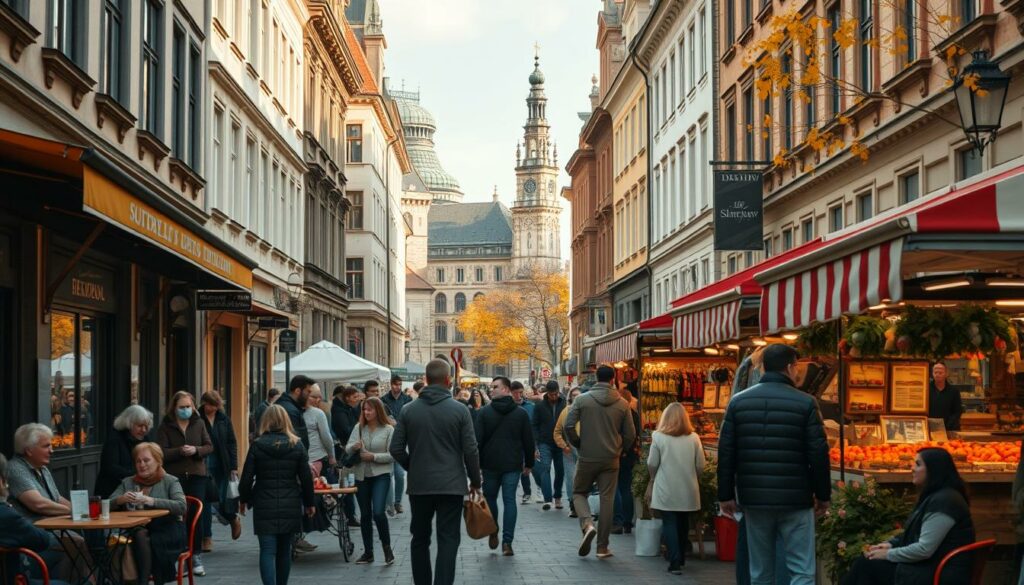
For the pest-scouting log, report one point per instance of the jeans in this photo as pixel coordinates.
(275, 558)
(569, 464)
(795, 528)
(675, 527)
(870, 572)
(549, 453)
(525, 481)
(372, 496)
(399, 484)
(448, 509)
(506, 482)
(606, 474)
(743, 558)
(624, 505)
(348, 502)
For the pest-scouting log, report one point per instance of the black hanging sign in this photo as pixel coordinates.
(223, 300)
(739, 210)
(288, 341)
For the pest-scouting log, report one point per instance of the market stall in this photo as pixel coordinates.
(938, 280)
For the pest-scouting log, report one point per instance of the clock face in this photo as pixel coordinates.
(551, 186)
(530, 186)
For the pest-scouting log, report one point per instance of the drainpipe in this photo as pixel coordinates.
(647, 182)
(387, 237)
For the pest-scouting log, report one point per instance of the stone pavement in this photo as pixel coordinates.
(545, 547)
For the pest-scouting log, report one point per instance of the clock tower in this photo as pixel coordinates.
(535, 213)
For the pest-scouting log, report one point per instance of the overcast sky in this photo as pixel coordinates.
(470, 59)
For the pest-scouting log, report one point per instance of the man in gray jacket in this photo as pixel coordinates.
(435, 442)
(605, 426)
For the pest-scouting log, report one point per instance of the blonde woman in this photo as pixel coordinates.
(675, 463)
(371, 439)
(277, 484)
(156, 545)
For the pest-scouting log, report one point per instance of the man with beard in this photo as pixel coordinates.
(294, 403)
(545, 414)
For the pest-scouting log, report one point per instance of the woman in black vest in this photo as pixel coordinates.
(940, 523)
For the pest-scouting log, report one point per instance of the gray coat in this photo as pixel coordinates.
(435, 441)
(167, 493)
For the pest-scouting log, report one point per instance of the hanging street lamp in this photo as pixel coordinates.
(980, 92)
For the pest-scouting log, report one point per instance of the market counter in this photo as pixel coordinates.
(989, 491)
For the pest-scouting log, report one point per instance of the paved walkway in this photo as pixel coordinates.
(545, 549)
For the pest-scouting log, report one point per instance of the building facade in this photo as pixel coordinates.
(674, 49)
(103, 108)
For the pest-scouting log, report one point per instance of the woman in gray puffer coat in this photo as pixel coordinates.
(277, 484)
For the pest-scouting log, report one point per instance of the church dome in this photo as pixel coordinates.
(537, 77)
(419, 127)
(413, 114)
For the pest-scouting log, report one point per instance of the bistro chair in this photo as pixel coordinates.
(20, 579)
(195, 506)
(981, 550)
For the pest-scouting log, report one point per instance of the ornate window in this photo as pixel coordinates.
(440, 304)
(440, 332)
(460, 302)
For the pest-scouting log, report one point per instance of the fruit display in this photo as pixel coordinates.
(320, 483)
(968, 455)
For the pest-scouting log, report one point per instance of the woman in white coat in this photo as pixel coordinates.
(675, 463)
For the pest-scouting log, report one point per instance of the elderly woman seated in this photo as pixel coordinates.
(157, 545)
(34, 494)
(131, 427)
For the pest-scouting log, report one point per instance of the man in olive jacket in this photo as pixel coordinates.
(605, 428)
(773, 463)
(435, 442)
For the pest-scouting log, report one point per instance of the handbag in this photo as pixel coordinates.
(479, 521)
(232, 487)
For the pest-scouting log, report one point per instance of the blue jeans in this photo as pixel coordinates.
(569, 464)
(624, 505)
(275, 558)
(743, 558)
(791, 530)
(373, 503)
(506, 482)
(550, 454)
(397, 488)
(675, 528)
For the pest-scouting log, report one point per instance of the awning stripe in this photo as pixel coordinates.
(849, 285)
(707, 327)
(619, 349)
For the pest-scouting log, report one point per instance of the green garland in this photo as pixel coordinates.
(817, 340)
(865, 336)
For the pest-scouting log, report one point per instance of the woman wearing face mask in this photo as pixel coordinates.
(156, 546)
(186, 443)
(116, 463)
(940, 523)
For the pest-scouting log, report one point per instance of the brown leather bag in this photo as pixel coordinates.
(479, 521)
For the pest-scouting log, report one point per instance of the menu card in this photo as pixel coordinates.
(909, 388)
(79, 505)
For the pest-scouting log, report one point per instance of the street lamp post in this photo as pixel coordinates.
(980, 92)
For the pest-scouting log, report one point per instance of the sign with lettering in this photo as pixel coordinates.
(739, 210)
(273, 322)
(288, 341)
(223, 300)
(103, 197)
(87, 285)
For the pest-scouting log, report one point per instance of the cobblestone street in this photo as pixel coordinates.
(545, 547)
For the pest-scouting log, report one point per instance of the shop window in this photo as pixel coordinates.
(222, 364)
(77, 356)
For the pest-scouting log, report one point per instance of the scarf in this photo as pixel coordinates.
(153, 479)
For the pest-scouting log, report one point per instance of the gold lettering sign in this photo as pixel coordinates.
(105, 198)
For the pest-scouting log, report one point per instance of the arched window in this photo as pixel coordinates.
(460, 302)
(459, 336)
(478, 296)
(440, 304)
(441, 332)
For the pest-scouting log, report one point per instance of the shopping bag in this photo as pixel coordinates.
(648, 537)
(479, 521)
(233, 488)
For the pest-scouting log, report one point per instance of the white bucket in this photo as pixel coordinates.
(648, 537)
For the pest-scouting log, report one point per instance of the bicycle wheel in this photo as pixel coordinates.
(344, 540)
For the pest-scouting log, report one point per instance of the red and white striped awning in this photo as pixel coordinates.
(617, 349)
(849, 285)
(825, 280)
(706, 327)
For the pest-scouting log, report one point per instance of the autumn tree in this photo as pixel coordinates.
(800, 63)
(528, 318)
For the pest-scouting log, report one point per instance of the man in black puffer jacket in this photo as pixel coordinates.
(506, 453)
(773, 457)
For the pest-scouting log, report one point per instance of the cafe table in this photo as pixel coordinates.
(114, 535)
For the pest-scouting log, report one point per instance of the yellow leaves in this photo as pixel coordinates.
(951, 52)
(767, 120)
(857, 149)
(779, 159)
(970, 81)
(844, 120)
(846, 33)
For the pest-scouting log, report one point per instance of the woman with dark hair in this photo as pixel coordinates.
(222, 467)
(940, 523)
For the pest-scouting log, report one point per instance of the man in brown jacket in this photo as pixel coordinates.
(605, 425)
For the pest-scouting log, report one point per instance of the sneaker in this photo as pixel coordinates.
(398, 508)
(389, 556)
(197, 566)
(558, 504)
(304, 545)
(526, 499)
(492, 540)
(617, 530)
(603, 552)
(627, 529)
(546, 506)
(675, 569)
(588, 538)
(366, 559)
(391, 511)
(538, 499)
(207, 544)
(506, 550)
(236, 528)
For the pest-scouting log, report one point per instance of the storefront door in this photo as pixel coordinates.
(222, 365)
(257, 378)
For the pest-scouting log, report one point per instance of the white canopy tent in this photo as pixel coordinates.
(326, 362)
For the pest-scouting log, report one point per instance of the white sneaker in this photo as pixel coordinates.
(538, 499)
(526, 499)
(197, 566)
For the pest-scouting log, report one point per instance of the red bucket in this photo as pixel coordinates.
(726, 532)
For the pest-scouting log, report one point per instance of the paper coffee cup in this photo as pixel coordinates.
(105, 509)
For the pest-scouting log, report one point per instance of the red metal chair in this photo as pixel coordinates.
(196, 507)
(21, 579)
(981, 550)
